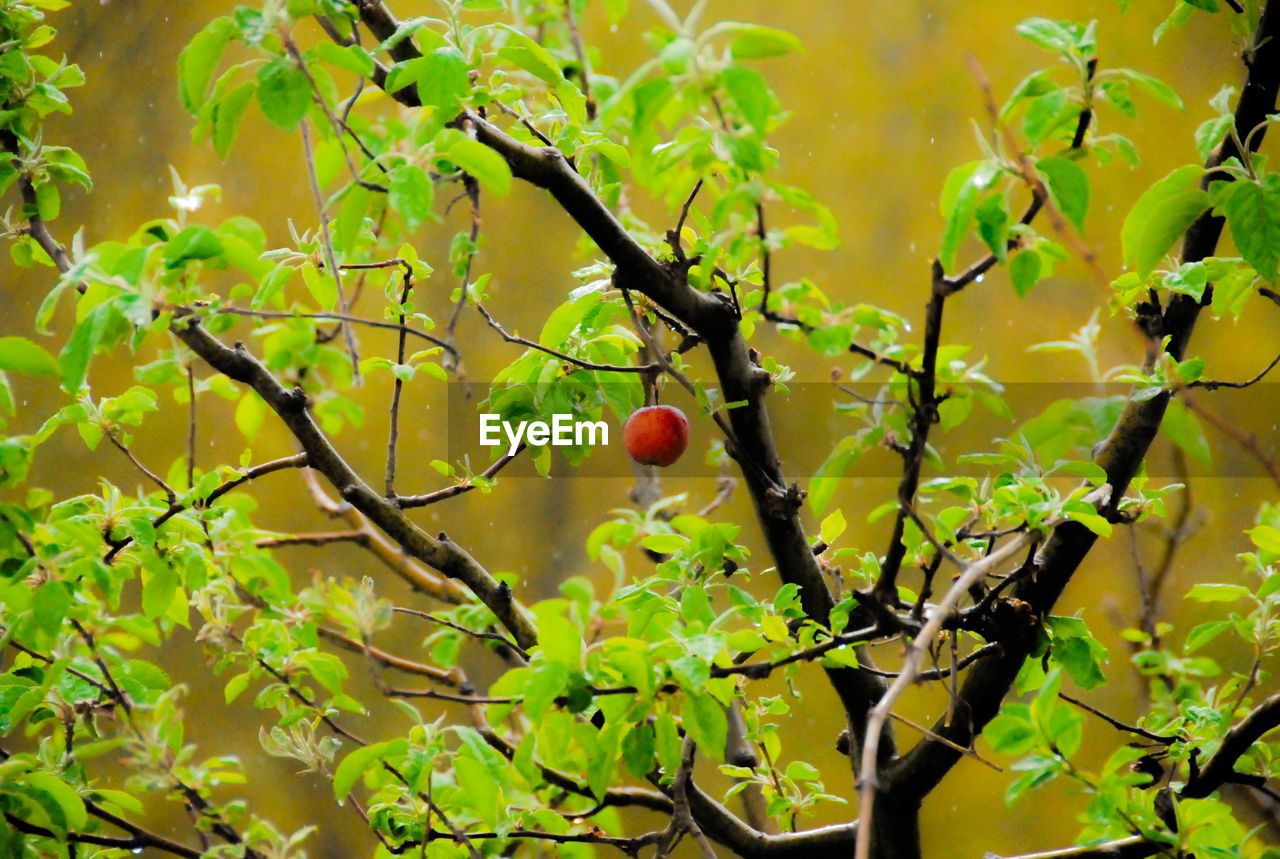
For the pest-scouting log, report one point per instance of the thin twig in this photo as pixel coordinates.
(327, 241)
(148, 473)
(389, 660)
(295, 461)
(466, 485)
(472, 189)
(957, 282)
(483, 636)
(1118, 725)
(569, 359)
(970, 752)
(584, 62)
(445, 696)
(314, 538)
(1248, 441)
(1213, 385)
(338, 125)
(394, 432)
(191, 427)
(341, 317)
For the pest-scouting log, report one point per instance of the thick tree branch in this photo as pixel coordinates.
(1121, 455)
(727, 828)
(1220, 768)
(440, 552)
(869, 776)
(711, 316)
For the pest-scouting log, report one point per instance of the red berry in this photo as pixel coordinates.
(656, 435)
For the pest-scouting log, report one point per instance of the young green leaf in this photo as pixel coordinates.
(283, 93)
(198, 60)
(20, 355)
(1069, 186)
(487, 166)
(1160, 217)
(1252, 210)
(411, 193)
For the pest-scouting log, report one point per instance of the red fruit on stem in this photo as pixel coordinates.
(656, 435)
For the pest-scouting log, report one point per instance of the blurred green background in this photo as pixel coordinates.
(882, 101)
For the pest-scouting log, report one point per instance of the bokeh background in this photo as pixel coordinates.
(882, 101)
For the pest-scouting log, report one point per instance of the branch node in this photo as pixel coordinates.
(295, 399)
(783, 504)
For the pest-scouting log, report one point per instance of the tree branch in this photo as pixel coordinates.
(1120, 454)
(1132, 847)
(440, 552)
(1220, 768)
(711, 315)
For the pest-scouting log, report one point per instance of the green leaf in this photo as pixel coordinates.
(198, 60)
(20, 355)
(123, 799)
(411, 193)
(235, 687)
(1077, 651)
(64, 805)
(1212, 132)
(664, 544)
(1011, 732)
(826, 478)
(1024, 271)
(705, 720)
(559, 640)
(1266, 538)
(564, 320)
(993, 225)
(1204, 633)
(972, 178)
(481, 162)
(1048, 34)
(546, 683)
(1183, 428)
(283, 93)
(159, 591)
(750, 93)
(251, 411)
(353, 58)
(48, 201)
(354, 765)
(832, 527)
(346, 228)
(74, 357)
(1069, 186)
(755, 41)
(1216, 592)
(443, 81)
(1160, 217)
(1252, 210)
(1160, 90)
(50, 605)
(1086, 515)
(193, 243)
(483, 793)
(530, 56)
(322, 286)
(227, 114)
